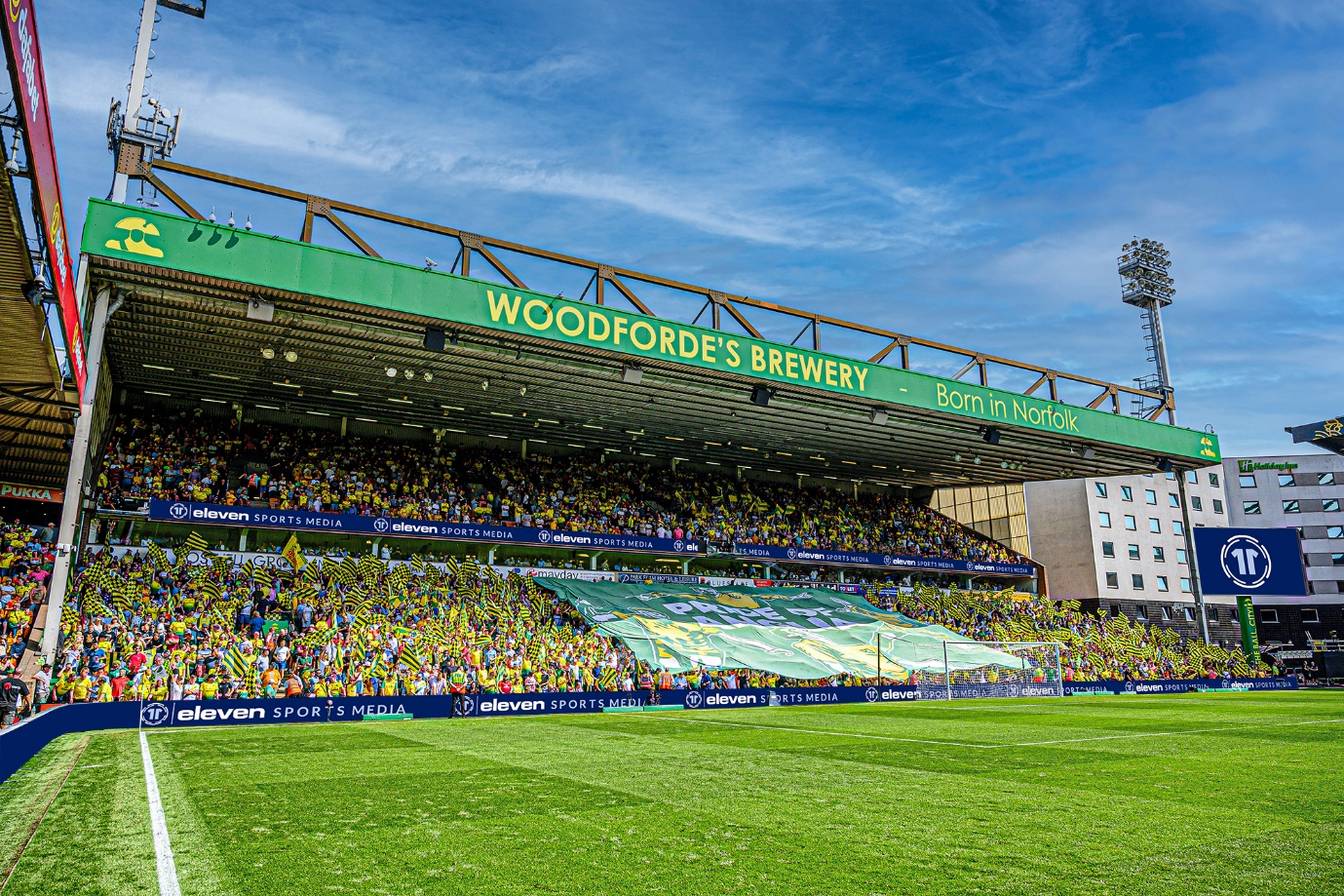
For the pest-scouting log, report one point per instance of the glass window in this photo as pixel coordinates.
(1325, 478)
(1334, 531)
(1149, 496)
(1108, 549)
(1166, 613)
(1180, 555)
(1177, 527)
(1131, 524)
(1162, 586)
(1217, 506)
(1337, 559)
(1173, 500)
(1112, 580)
(1268, 615)
(1250, 508)
(1292, 507)
(1136, 580)
(1154, 524)
(1133, 552)
(1213, 479)
(1159, 554)
(1196, 503)
(1185, 586)
(1330, 505)
(1171, 477)
(1286, 480)
(1103, 519)
(1126, 493)
(1101, 488)
(1141, 611)
(1192, 477)
(1246, 480)
(1115, 610)
(1310, 615)
(1188, 612)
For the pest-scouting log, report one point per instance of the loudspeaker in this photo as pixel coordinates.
(434, 337)
(760, 396)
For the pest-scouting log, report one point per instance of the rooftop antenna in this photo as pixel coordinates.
(142, 128)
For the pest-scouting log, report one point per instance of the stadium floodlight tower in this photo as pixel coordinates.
(143, 127)
(1144, 266)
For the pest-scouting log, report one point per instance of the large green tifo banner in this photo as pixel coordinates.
(795, 632)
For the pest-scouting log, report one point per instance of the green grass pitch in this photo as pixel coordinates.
(1173, 795)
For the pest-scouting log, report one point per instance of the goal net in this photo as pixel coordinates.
(1018, 669)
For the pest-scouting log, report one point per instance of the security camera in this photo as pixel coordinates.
(12, 165)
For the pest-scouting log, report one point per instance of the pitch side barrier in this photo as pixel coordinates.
(20, 743)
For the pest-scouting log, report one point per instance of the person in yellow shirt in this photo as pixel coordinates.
(104, 690)
(210, 688)
(82, 688)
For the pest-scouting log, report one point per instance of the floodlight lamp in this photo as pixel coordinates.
(268, 353)
(391, 371)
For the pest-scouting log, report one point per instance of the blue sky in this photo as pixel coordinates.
(966, 173)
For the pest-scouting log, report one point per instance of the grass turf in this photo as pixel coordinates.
(1229, 793)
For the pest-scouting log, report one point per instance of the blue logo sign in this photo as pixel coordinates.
(1250, 561)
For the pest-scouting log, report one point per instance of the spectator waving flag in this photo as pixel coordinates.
(293, 553)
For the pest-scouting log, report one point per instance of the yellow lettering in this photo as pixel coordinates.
(830, 365)
(846, 381)
(812, 368)
(667, 341)
(757, 358)
(598, 333)
(618, 329)
(774, 356)
(734, 359)
(500, 307)
(707, 347)
(686, 342)
(862, 374)
(547, 317)
(638, 327)
(791, 365)
(572, 313)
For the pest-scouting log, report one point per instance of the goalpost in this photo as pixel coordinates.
(959, 669)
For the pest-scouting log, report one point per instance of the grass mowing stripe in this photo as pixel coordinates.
(826, 733)
(37, 822)
(163, 849)
(1082, 740)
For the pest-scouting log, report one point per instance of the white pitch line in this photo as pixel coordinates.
(163, 850)
(1081, 740)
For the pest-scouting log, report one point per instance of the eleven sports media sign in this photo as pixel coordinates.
(191, 246)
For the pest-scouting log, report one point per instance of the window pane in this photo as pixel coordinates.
(1141, 611)
(1126, 493)
(1103, 519)
(1196, 503)
(1108, 549)
(1101, 489)
(1177, 527)
(1246, 480)
(1161, 583)
(1112, 580)
(1133, 552)
(1250, 508)
(1130, 523)
(1337, 559)
(1159, 554)
(1217, 506)
(1325, 478)
(1310, 615)
(1154, 524)
(1173, 500)
(1285, 480)
(1334, 531)
(1136, 580)
(1192, 477)
(1185, 586)
(1213, 479)
(1330, 505)
(1149, 496)
(1189, 613)
(1180, 555)
(1292, 507)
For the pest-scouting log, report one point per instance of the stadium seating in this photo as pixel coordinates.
(198, 458)
(25, 565)
(146, 627)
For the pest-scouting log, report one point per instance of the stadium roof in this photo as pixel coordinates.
(1327, 434)
(35, 408)
(213, 313)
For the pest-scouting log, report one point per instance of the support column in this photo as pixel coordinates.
(1190, 561)
(68, 537)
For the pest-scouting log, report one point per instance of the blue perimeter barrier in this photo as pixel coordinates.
(20, 743)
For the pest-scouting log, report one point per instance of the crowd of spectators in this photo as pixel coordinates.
(26, 560)
(200, 458)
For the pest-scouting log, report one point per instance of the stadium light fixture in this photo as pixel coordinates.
(344, 392)
(157, 367)
(214, 401)
(485, 385)
(291, 356)
(266, 407)
(761, 395)
(224, 376)
(286, 384)
(878, 417)
(366, 420)
(1089, 453)
(268, 353)
(632, 374)
(402, 400)
(410, 374)
(977, 460)
(428, 377)
(451, 407)
(391, 371)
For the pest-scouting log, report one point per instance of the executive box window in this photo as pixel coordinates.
(1159, 554)
(1136, 581)
(1112, 580)
(1133, 552)
(1217, 506)
(1269, 616)
(1162, 586)
(1141, 611)
(1154, 524)
(1189, 613)
(1325, 478)
(1330, 505)
(1101, 489)
(1131, 524)
(1292, 506)
(1311, 615)
(1286, 480)
(1246, 480)
(1108, 549)
(1250, 508)
(1103, 519)
(1149, 496)
(1126, 493)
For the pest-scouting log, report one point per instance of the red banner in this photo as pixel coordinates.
(30, 86)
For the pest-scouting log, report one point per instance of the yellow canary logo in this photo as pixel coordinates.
(136, 242)
(738, 600)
